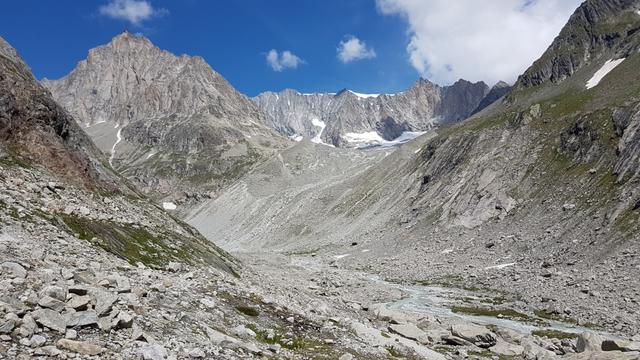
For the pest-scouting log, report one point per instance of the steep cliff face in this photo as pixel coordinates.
(169, 123)
(34, 128)
(597, 28)
(351, 119)
(499, 90)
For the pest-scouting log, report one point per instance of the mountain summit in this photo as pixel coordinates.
(169, 123)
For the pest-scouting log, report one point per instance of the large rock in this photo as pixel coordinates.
(81, 347)
(385, 314)
(55, 292)
(589, 342)
(152, 352)
(506, 349)
(478, 335)
(620, 345)
(79, 302)
(532, 351)
(13, 269)
(104, 301)
(50, 319)
(51, 303)
(410, 331)
(82, 318)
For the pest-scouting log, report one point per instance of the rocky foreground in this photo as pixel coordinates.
(61, 296)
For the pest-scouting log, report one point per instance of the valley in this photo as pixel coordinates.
(149, 210)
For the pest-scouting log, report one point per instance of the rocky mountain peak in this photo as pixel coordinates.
(597, 29)
(500, 85)
(135, 99)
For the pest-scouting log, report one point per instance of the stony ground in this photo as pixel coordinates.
(62, 294)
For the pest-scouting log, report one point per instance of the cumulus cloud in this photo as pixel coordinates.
(352, 49)
(478, 40)
(282, 61)
(133, 11)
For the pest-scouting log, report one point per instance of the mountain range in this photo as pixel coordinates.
(350, 119)
(442, 222)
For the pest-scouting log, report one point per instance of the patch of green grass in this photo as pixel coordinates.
(291, 343)
(483, 353)
(140, 244)
(248, 310)
(544, 314)
(14, 161)
(554, 334)
(445, 350)
(393, 352)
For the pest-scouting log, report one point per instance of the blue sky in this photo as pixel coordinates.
(390, 43)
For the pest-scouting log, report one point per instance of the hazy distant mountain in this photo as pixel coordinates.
(353, 119)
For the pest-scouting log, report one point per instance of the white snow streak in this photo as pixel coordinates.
(501, 266)
(169, 206)
(364, 96)
(604, 70)
(317, 139)
(338, 257)
(372, 138)
(113, 148)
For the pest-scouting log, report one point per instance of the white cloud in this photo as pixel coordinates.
(133, 11)
(478, 40)
(285, 60)
(353, 49)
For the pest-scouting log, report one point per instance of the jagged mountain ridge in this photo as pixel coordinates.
(169, 123)
(419, 108)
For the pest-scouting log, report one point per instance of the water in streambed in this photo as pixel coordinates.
(438, 301)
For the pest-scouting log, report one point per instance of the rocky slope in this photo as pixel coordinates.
(91, 269)
(170, 124)
(596, 28)
(350, 119)
(537, 196)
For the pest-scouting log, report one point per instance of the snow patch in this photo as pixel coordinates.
(446, 251)
(364, 96)
(370, 136)
(169, 205)
(366, 250)
(321, 124)
(296, 137)
(373, 139)
(150, 155)
(338, 257)
(113, 148)
(501, 266)
(604, 70)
